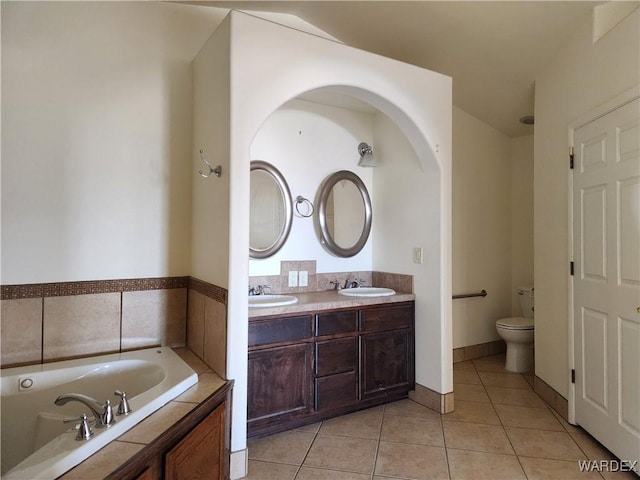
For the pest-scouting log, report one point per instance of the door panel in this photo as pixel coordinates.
(606, 244)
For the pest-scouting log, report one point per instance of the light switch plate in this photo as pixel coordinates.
(417, 255)
(293, 279)
(303, 278)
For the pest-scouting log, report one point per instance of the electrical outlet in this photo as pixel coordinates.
(303, 278)
(293, 279)
(417, 255)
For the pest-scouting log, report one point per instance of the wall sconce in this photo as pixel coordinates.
(366, 156)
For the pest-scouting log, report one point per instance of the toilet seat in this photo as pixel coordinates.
(516, 323)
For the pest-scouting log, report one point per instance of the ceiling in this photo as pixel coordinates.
(492, 50)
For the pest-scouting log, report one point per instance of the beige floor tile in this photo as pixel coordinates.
(475, 412)
(528, 417)
(515, 396)
(409, 408)
(567, 426)
(490, 364)
(342, 453)
(396, 428)
(469, 377)
(619, 475)
(364, 424)
(286, 447)
(313, 428)
(416, 462)
(466, 365)
(490, 379)
(470, 393)
(309, 473)
(591, 447)
(477, 437)
(270, 471)
(544, 444)
(545, 469)
(466, 465)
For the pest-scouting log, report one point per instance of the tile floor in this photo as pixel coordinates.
(500, 429)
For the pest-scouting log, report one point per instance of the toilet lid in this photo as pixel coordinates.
(516, 323)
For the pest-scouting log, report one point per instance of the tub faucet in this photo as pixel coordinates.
(102, 412)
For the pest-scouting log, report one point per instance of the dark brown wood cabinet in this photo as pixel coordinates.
(195, 447)
(309, 367)
(200, 454)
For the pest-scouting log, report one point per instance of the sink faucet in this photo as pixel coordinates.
(258, 290)
(355, 283)
(103, 413)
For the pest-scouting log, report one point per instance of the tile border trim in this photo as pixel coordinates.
(440, 402)
(551, 397)
(210, 290)
(62, 289)
(480, 350)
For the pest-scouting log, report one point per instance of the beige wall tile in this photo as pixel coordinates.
(21, 331)
(81, 325)
(195, 323)
(154, 317)
(215, 336)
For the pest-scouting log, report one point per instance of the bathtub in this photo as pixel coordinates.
(36, 444)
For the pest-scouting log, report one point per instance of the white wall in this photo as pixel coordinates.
(307, 142)
(521, 218)
(582, 76)
(270, 65)
(96, 140)
(210, 196)
(481, 228)
(403, 220)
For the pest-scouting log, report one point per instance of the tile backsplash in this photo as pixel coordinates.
(55, 321)
(322, 281)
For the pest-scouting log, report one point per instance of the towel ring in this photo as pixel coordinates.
(300, 200)
(217, 171)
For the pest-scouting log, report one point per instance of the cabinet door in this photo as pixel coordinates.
(386, 363)
(280, 382)
(199, 455)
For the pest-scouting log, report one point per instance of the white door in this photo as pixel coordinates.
(606, 245)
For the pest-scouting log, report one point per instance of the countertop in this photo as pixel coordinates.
(326, 300)
(116, 453)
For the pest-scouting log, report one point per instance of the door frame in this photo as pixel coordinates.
(598, 112)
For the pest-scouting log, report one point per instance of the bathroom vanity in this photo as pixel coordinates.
(327, 356)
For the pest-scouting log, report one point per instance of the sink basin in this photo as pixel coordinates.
(257, 301)
(367, 292)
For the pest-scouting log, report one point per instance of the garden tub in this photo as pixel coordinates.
(37, 444)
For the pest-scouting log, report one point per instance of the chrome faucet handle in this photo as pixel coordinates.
(123, 407)
(336, 284)
(263, 288)
(84, 430)
(107, 419)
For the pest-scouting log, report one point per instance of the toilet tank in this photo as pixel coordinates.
(526, 301)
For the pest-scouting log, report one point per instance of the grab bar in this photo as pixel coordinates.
(483, 293)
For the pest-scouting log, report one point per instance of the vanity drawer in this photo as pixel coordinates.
(336, 390)
(336, 322)
(276, 330)
(336, 356)
(386, 318)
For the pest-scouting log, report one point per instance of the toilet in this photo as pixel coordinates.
(517, 332)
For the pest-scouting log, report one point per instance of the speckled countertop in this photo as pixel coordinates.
(114, 454)
(327, 300)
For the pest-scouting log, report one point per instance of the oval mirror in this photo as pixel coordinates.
(271, 210)
(344, 214)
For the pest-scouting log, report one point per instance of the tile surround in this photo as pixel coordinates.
(480, 440)
(55, 321)
(21, 331)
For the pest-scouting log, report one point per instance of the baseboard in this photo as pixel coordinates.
(480, 350)
(553, 398)
(239, 464)
(440, 402)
